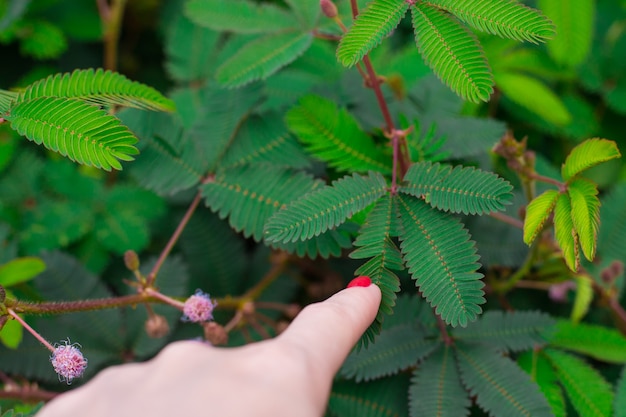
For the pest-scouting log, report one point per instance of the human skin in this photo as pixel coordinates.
(290, 375)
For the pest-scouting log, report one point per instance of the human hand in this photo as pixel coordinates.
(290, 375)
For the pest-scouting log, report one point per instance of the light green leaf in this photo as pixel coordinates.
(601, 343)
(574, 29)
(239, 16)
(584, 297)
(586, 389)
(11, 333)
(585, 214)
(537, 213)
(565, 233)
(453, 52)
(20, 270)
(262, 57)
(588, 154)
(620, 396)
(540, 370)
(373, 24)
(533, 95)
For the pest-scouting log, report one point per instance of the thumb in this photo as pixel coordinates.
(328, 330)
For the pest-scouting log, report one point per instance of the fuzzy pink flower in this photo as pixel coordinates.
(68, 361)
(199, 307)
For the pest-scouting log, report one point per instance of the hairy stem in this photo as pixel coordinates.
(61, 307)
(30, 330)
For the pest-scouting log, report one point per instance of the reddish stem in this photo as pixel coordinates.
(30, 330)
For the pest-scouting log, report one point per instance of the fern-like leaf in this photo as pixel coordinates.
(459, 190)
(537, 213)
(240, 16)
(588, 154)
(620, 396)
(601, 343)
(99, 87)
(565, 233)
(540, 370)
(442, 260)
(436, 389)
(506, 18)
(397, 348)
(381, 398)
(373, 24)
(330, 243)
(251, 194)
(75, 129)
(585, 214)
(334, 136)
(325, 208)
(453, 52)
(262, 57)
(513, 331)
(574, 23)
(500, 386)
(586, 389)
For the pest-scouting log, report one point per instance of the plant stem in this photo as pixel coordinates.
(173, 239)
(375, 83)
(279, 263)
(111, 16)
(30, 330)
(355, 8)
(520, 273)
(443, 329)
(507, 219)
(60, 307)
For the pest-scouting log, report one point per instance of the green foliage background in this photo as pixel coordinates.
(266, 118)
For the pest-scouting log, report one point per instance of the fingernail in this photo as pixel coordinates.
(361, 281)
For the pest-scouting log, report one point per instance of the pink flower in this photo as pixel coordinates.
(199, 307)
(68, 361)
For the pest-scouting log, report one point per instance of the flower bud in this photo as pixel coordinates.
(131, 260)
(215, 333)
(328, 8)
(156, 326)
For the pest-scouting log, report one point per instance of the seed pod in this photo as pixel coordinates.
(156, 326)
(131, 260)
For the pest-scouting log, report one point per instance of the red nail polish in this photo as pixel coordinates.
(361, 281)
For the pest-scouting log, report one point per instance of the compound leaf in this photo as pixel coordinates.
(599, 342)
(442, 260)
(436, 389)
(588, 154)
(334, 136)
(586, 389)
(262, 57)
(326, 208)
(620, 396)
(373, 24)
(585, 214)
(565, 233)
(537, 213)
(239, 16)
(381, 398)
(540, 370)
(453, 52)
(506, 18)
(464, 190)
(75, 129)
(99, 87)
(507, 331)
(251, 194)
(500, 386)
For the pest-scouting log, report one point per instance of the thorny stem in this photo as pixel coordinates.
(59, 307)
(173, 239)
(111, 16)
(30, 329)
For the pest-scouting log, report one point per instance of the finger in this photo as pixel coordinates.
(327, 331)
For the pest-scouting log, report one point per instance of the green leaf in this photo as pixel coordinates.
(500, 386)
(42, 39)
(464, 190)
(453, 52)
(75, 129)
(12, 333)
(436, 389)
(396, 349)
(533, 95)
(537, 213)
(574, 25)
(588, 154)
(382, 398)
(325, 208)
(99, 87)
(586, 389)
(507, 331)
(620, 396)
(20, 270)
(540, 370)
(585, 214)
(239, 16)
(599, 342)
(584, 297)
(251, 194)
(307, 12)
(373, 24)
(565, 233)
(442, 260)
(330, 243)
(262, 57)
(334, 136)
(506, 18)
